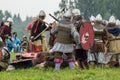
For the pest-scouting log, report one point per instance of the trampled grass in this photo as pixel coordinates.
(96, 73)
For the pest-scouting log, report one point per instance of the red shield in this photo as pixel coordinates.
(86, 35)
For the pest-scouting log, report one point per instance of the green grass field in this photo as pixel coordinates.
(64, 74)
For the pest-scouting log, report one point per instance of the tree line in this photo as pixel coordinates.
(87, 7)
(93, 7)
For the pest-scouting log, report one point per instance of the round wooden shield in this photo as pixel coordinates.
(86, 35)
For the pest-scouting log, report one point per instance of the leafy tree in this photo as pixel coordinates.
(7, 15)
(93, 7)
(104, 7)
(63, 6)
(1, 15)
(19, 25)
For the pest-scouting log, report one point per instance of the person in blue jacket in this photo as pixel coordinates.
(16, 42)
(9, 43)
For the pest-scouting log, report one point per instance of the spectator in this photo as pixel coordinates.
(25, 44)
(16, 42)
(9, 43)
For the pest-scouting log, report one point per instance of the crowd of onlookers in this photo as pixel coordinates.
(14, 44)
(11, 40)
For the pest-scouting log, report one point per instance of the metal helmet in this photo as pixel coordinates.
(98, 17)
(112, 19)
(92, 18)
(118, 22)
(42, 13)
(68, 14)
(10, 20)
(75, 12)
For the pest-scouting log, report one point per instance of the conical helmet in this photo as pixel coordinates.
(68, 14)
(98, 17)
(112, 19)
(75, 12)
(10, 20)
(42, 13)
(92, 18)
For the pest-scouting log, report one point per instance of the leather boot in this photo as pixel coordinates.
(81, 64)
(86, 64)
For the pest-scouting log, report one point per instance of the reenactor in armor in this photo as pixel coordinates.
(80, 53)
(112, 39)
(5, 29)
(63, 48)
(4, 57)
(38, 27)
(98, 47)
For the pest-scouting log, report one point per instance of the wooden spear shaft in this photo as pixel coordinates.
(43, 30)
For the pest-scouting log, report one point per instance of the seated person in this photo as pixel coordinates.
(16, 42)
(9, 43)
(25, 44)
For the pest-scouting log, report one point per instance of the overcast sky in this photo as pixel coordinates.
(30, 7)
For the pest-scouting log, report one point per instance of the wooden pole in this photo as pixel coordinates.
(43, 30)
